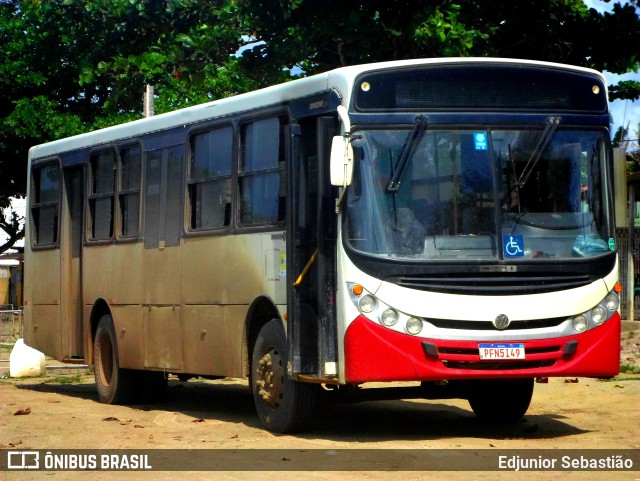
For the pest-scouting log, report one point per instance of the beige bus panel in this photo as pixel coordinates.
(221, 270)
(234, 269)
(43, 274)
(162, 338)
(213, 337)
(113, 272)
(127, 321)
(45, 332)
(162, 273)
(42, 323)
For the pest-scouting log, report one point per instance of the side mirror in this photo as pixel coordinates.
(341, 164)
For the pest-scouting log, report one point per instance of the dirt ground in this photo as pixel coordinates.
(63, 413)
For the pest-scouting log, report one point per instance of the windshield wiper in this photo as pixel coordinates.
(407, 152)
(549, 130)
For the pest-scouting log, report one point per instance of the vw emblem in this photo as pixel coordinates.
(501, 322)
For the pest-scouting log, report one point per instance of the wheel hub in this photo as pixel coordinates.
(270, 378)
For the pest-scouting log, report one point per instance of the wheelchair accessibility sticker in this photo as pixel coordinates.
(513, 245)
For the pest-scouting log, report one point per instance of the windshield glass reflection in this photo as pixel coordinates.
(477, 194)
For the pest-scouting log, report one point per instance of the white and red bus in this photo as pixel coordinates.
(445, 221)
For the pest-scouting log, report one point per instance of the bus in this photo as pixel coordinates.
(441, 226)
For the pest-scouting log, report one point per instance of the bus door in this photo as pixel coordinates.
(311, 269)
(71, 263)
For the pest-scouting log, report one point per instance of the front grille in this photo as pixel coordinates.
(488, 326)
(493, 366)
(489, 285)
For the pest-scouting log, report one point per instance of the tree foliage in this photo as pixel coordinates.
(70, 66)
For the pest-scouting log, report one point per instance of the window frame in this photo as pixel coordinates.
(131, 192)
(244, 175)
(93, 196)
(193, 183)
(36, 205)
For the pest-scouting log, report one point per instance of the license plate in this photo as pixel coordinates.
(501, 351)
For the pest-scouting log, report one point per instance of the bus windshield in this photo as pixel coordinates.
(495, 194)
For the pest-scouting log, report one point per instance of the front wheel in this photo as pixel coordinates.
(283, 405)
(500, 400)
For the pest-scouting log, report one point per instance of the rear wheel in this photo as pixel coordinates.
(500, 400)
(283, 405)
(114, 385)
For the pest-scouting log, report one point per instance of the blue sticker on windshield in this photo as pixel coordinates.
(513, 245)
(480, 140)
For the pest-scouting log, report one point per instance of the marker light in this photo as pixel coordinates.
(389, 317)
(357, 289)
(414, 325)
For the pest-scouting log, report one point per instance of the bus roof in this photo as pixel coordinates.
(340, 79)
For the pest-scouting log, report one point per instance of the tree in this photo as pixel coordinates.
(318, 36)
(70, 66)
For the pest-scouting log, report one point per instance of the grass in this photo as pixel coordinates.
(81, 377)
(627, 367)
(67, 379)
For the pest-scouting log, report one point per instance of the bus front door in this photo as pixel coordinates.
(311, 270)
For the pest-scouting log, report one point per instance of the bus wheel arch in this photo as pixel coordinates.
(99, 309)
(261, 311)
(113, 384)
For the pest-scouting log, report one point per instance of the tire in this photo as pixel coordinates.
(114, 385)
(283, 405)
(500, 400)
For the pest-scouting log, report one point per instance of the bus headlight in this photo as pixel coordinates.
(367, 303)
(598, 315)
(612, 302)
(580, 323)
(389, 317)
(414, 325)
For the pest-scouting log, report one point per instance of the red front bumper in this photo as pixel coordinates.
(374, 353)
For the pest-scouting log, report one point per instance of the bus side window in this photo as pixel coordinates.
(261, 173)
(101, 195)
(129, 190)
(45, 204)
(210, 179)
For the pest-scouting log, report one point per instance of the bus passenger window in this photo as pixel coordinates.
(45, 203)
(210, 179)
(261, 174)
(129, 190)
(101, 195)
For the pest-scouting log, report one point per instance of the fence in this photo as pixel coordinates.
(10, 324)
(10, 332)
(633, 288)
